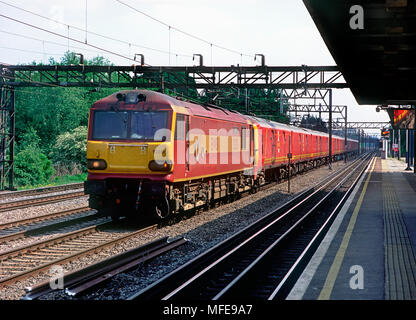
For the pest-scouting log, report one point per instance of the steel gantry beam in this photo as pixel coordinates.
(360, 125)
(303, 108)
(197, 77)
(300, 110)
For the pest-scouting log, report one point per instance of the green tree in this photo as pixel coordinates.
(70, 150)
(51, 111)
(29, 138)
(31, 166)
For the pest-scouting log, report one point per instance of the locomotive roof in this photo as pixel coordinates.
(282, 126)
(179, 106)
(151, 97)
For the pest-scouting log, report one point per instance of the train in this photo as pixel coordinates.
(151, 154)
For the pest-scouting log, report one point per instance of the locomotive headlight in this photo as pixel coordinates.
(96, 164)
(165, 166)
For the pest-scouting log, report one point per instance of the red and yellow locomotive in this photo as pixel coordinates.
(151, 153)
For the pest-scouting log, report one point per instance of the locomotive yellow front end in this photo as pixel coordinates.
(130, 154)
(143, 158)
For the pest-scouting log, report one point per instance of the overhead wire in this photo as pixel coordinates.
(48, 41)
(52, 84)
(94, 33)
(182, 31)
(32, 51)
(131, 43)
(66, 37)
(87, 44)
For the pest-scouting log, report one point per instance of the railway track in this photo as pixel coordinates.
(30, 260)
(43, 190)
(29, 227)
(82, 280)
(19, 204)
(172, 219)
(41, 218)
(263, 260)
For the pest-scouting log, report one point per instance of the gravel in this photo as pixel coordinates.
(203, 231)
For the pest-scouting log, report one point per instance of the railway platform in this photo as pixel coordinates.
(369, 252)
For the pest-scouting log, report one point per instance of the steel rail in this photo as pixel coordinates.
(12, 205)
(81, 280)
(14, 235)
(175, 280)
(66, 257)
(42, 190)
(41, 218)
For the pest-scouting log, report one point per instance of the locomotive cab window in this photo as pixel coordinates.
(128, 125)
(144, 125)
(110, 125)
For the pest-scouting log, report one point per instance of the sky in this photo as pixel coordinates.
(282, 30)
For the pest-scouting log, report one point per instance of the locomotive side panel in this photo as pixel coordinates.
(214, 147)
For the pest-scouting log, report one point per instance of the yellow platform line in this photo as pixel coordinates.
(339, 257)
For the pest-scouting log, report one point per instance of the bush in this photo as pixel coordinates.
(70, 150)
(29, 138)
(32, 167)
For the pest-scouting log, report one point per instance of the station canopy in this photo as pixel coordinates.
(373, 43)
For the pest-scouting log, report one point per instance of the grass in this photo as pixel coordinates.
(70, 179)
(58, 180)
